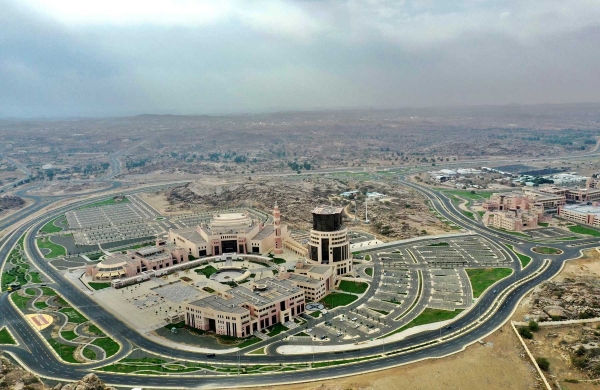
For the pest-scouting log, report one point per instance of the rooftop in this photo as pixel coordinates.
(327, 210)
(584, 209)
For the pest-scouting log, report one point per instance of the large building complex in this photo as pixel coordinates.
(328, 243)
(134, 262)
(242, 311)
(231, 233)
(515, 211)
(584, 214)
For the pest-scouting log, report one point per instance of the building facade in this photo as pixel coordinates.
(231, 233)
(150, 258)
(241, 311)
(583, 214)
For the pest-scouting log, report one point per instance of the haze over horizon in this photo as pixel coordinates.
(70, 58)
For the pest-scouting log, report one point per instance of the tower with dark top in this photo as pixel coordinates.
(329, 244)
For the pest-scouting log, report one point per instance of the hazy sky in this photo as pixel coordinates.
(121, 57)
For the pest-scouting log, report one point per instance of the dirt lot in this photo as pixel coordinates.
(496, 365)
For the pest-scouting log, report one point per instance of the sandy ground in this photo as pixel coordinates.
(549, 346)
(496, 365)
(160, 203)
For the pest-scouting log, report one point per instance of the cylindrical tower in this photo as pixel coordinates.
(329, 244)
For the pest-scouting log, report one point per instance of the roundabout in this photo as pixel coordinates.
(547, 250)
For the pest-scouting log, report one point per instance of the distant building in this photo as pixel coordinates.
(512, 220)
(241, 311)
(583, 214)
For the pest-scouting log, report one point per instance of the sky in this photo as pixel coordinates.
(65, 58)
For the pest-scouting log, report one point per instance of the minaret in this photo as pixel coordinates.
(277, 225)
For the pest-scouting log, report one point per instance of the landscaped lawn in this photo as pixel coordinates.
(546, 250)
(522, 258)
(206, 271)
(69, 335)
(30, 291)
(276, 329)
(35, 277)
(89, 353)
(20, 301)
(56, 250)
(338, 299)
(41, 305)
(99, 286)
(6, 338)
(353, 287)
(584, 230)
(315, 314)
(248, 342)
(481, 279)
(278, 260)
(95, 330)
(50, 228)
(108, 345)
(369, 271)
(74, 316)
(544, 224)
(106, 202)
(466, 194)
(66, 352)
(469, 214)
(48, 291)
(429, 316)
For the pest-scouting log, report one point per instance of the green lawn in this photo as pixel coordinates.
(108, 345)
(56, 250)
(106, 202)
(74, 316)
(584, 230)
(522, 258)
(69, 335)
(315, 314)
(89, 353)
(278, 260)
(41, 305)
(6, 338)
(206, 271)
(95, 330)
(546, 250)
(260, 351)
(50, 228)
(276, 329)
(429, 316)
(439, 244)
(248, 342)
(466, 194)
(48, 291)
(368, 257)
(369, 271)
(20, 301)
(544, 224)
(469, 214)
(35, 277)
(66, 352)
(338, 299)
(353, 287)
(30, 291)
(99, 286)
(481, 279)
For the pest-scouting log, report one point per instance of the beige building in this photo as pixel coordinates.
(582, 214)
(134, 262)
(241, 311)
(315, 280)
(512, 220)
(329, 244)
(231, 233)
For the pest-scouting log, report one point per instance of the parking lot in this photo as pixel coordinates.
(458, 252)
(549, 232)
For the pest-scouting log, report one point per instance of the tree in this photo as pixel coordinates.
(525, 332)
(543, 363)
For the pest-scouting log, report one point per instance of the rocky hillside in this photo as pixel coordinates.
(569, 299)
(13, 377)
(11, 202)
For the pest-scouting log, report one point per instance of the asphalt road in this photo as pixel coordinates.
(37, 356)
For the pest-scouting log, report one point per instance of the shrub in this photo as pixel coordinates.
(579, 361)
(525, 332)
(543, 363)
(533, 326)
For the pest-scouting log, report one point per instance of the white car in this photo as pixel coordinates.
(354, 319)
(342, 319)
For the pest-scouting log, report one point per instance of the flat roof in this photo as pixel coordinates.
(264, 233)
(327, 210)
(304, 279)
(584, 209)
(215, 302)
(190, 234)
(319, 269)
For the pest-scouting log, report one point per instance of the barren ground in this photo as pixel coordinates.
(495, 366)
